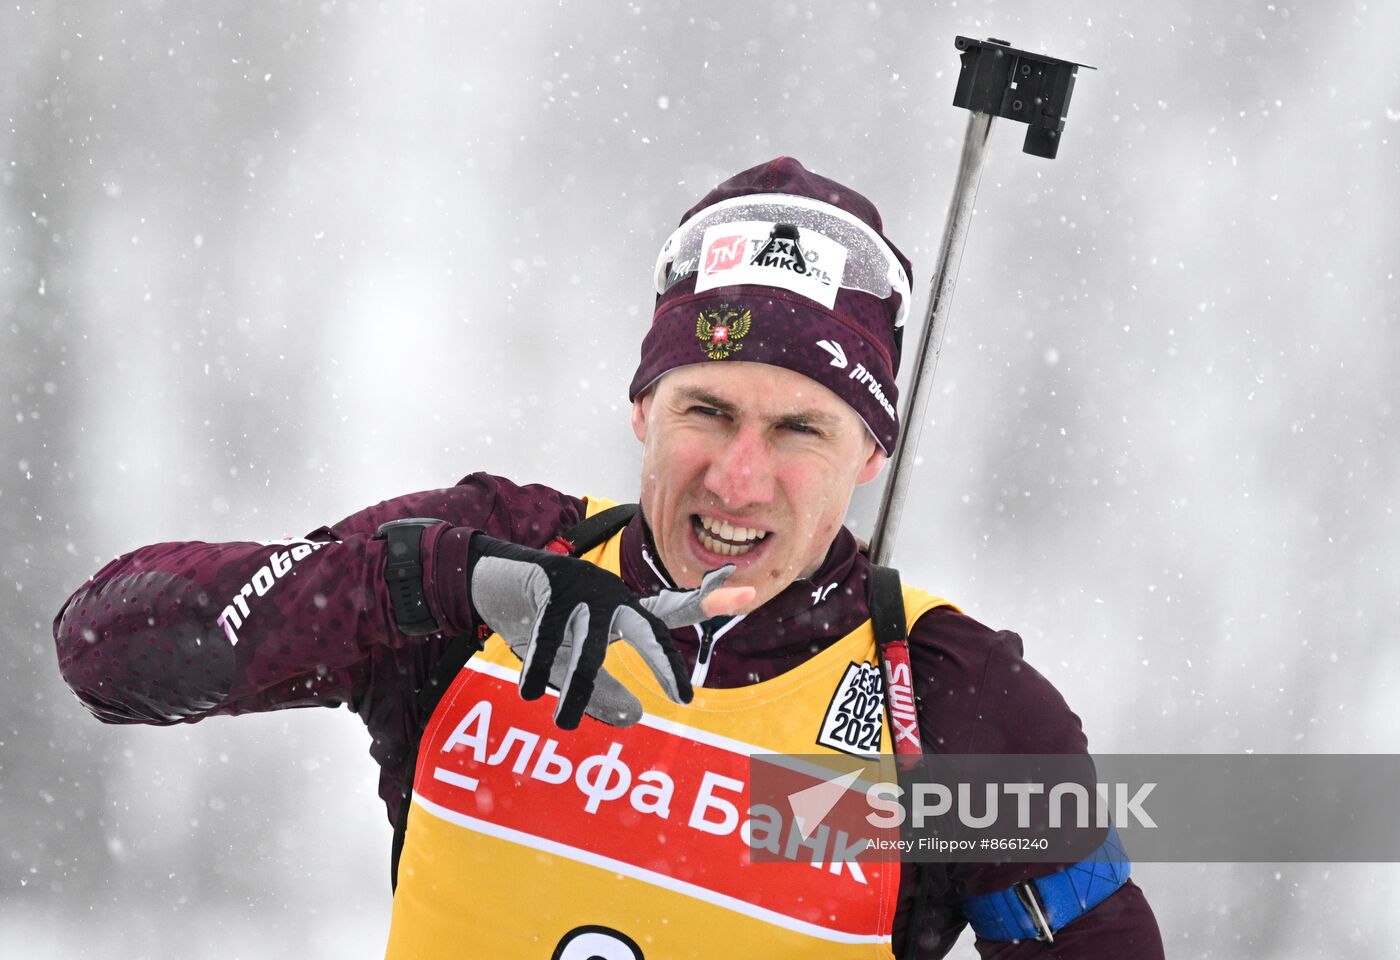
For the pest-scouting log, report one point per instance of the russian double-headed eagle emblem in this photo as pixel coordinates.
(719, 330)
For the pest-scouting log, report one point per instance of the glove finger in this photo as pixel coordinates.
(537, 663)
(612, 703)
(651, 638)
(588, 645)
(681, 608)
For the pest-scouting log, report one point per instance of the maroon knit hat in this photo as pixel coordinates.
(850, 347)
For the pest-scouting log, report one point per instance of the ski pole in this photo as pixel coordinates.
(996, 80)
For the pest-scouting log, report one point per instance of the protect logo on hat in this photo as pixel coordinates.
(719, 330)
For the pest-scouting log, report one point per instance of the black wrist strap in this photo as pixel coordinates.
(403, 573)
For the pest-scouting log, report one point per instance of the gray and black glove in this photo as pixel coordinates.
(559, 614)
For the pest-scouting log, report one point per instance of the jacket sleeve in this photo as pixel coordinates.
(977, 695)
(175, 632)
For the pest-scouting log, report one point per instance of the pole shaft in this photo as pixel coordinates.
(979, 126)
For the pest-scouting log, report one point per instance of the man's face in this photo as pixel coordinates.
(748, 464)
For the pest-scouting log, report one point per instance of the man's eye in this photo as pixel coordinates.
(797, 426)
(705, 411)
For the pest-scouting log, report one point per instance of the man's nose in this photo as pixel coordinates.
(742, 473)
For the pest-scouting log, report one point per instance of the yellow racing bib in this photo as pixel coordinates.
(525, 840)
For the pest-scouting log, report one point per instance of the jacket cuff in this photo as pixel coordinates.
(447, 578)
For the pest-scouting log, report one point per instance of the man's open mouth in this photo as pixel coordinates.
(723, 538)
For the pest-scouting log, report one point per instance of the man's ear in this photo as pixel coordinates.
(874, 463)
(639, 415)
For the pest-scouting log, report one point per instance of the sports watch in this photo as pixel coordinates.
(403, 573)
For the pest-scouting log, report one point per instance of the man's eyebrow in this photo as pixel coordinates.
(704, 397)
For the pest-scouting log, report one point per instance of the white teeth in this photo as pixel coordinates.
(727, 540)
(724, 549)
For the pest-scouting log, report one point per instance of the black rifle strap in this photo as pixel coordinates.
(588, 533)
(889, 623)
(887, 606)
(581, 537)
(454, 656)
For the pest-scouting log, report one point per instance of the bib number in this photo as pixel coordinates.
(597, 943)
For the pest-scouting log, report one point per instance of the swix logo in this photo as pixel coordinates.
(725, 253)
(899, 686)
(821, 593)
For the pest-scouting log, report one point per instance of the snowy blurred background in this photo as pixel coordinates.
(266, 263)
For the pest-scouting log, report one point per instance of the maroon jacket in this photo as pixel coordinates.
(141, 642)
